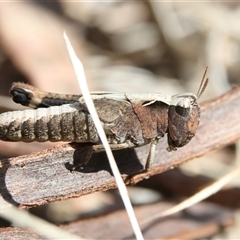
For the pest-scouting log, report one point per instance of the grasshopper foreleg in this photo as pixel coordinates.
(151, 154)
(149, 162)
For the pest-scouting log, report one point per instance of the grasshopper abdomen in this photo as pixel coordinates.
(57, 123)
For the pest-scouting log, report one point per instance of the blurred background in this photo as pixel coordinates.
(125, 46)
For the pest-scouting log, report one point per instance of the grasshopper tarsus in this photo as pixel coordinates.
(130, 180)
(70, 167)
(74, 167)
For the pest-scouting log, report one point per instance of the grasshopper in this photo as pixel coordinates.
(129, 119)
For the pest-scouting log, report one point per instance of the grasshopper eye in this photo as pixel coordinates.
(183, 107)
(182, 111)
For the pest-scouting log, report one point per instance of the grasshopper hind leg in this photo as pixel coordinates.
(30, 96)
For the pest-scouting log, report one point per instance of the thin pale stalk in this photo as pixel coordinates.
(38, 225)
(198, 197)
(79, 70)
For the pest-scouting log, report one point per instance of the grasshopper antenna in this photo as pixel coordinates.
(203, 84)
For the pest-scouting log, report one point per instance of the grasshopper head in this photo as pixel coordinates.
(184, 116)
(183, 120)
